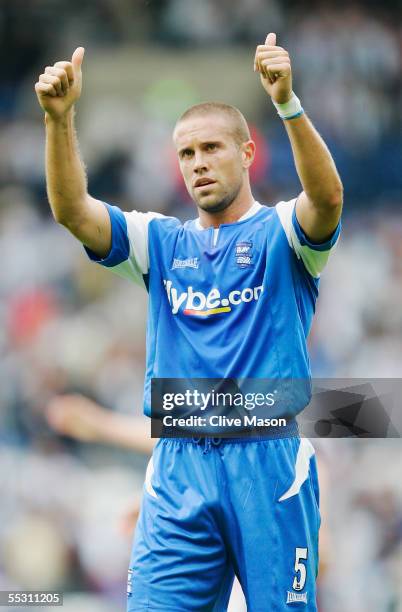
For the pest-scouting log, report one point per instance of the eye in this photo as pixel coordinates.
(186, 153)
(211, 146)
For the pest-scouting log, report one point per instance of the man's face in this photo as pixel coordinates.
(213, 165)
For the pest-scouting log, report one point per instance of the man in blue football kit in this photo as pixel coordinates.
(231, 295)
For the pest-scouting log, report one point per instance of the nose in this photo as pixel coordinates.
(199, 162)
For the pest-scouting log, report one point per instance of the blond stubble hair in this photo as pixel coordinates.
(240, 129)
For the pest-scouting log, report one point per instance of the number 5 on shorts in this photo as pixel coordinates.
(300, 569)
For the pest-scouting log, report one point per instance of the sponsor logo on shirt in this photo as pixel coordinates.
(244, 254)
(296, 597)
(198, 304)
(190, 262)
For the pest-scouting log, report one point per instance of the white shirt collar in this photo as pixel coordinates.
(250, 213)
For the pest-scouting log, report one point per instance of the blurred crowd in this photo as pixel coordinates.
(347, 71)
(69, 326)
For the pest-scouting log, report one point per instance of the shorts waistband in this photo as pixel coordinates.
(258, 434)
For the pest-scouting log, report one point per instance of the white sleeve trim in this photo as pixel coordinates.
(137, 233)
(314, 260)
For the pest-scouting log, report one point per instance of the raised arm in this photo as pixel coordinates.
(319, 206)
(58, 88)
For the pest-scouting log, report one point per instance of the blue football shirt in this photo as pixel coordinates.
(231, 302)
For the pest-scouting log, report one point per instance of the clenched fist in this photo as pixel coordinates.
(273, 64)
(59, 87)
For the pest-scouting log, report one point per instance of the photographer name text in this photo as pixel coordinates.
(223, 421)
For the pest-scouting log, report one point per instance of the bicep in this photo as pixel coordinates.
(93, 228)
(317, 223)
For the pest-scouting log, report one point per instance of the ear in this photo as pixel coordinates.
(247, 153)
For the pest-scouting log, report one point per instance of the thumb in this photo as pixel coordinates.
(77, 58)
(271, 39)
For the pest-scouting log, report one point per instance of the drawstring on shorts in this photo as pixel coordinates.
(208, 443)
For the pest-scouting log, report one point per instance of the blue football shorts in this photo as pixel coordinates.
(217, 507)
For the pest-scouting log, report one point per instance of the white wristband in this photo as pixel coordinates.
(290, 109)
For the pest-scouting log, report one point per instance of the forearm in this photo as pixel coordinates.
(65, 174)
(124, 430)
(314, 164)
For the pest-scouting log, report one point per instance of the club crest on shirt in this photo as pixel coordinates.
(190, 262)
(244, 254)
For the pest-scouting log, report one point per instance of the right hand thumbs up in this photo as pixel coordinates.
(77, 59)
(59, 87)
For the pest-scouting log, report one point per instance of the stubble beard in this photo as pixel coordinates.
(222, 204)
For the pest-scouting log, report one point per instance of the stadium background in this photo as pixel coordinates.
(68, 326)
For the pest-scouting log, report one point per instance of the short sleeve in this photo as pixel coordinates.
(314, 256)
(128, 256)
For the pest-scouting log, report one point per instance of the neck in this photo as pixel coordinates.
(240, 205)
